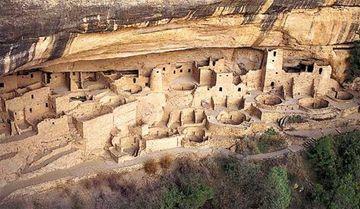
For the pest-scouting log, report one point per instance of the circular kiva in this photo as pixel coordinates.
(343, 95)
(270, 100)
(183, 86)
(313, 103)
(231, 117)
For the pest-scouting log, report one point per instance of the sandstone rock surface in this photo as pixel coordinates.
(36, 33)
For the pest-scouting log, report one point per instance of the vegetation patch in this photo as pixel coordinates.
(270, 141)
(151, 166)
(296, 119)
(166, 161)
(336, 162)
(278, 189)
(324, 177)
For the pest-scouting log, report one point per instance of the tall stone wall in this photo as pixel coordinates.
(96, 131)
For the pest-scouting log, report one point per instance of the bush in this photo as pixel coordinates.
(196, 197)
(242, 185)
(270, 141)
(269, 133)
(190, 197)
(172, 198)
(296, 119)
(165, 161)
(151, 166)
(278, 189)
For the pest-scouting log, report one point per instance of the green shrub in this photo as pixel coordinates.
(278, 189)
(270, 141)
(172, 198)
(270, 133)
(264, 146)
(295, 119)
(191, 197)
(195, 197)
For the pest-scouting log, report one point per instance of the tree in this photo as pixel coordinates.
(336, 162)
(196, 196)
(191, 197)
(172, 198)
(323, 159)
(349, 153)
(278, 189)
(345, 195)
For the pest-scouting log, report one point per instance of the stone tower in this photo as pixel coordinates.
(156, 80)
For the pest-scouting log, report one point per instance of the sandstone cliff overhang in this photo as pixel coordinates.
(36, 33)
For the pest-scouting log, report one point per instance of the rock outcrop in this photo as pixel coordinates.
(36, 33)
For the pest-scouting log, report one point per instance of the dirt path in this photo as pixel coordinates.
(321, 132)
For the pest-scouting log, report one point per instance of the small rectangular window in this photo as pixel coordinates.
(220, 88)
(30, 109)
(32, 96)
(2, 85)
(46, 105)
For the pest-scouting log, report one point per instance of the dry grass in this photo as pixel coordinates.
(151, 166)
(166, 161)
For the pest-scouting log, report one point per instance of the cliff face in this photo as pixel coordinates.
(37, 33)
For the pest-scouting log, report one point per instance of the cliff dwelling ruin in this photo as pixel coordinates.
(58, 116)
(128, 104)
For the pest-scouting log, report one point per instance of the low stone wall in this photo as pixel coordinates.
(53, 127)
(163, 143)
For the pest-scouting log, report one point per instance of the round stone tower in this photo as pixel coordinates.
(156, 80)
